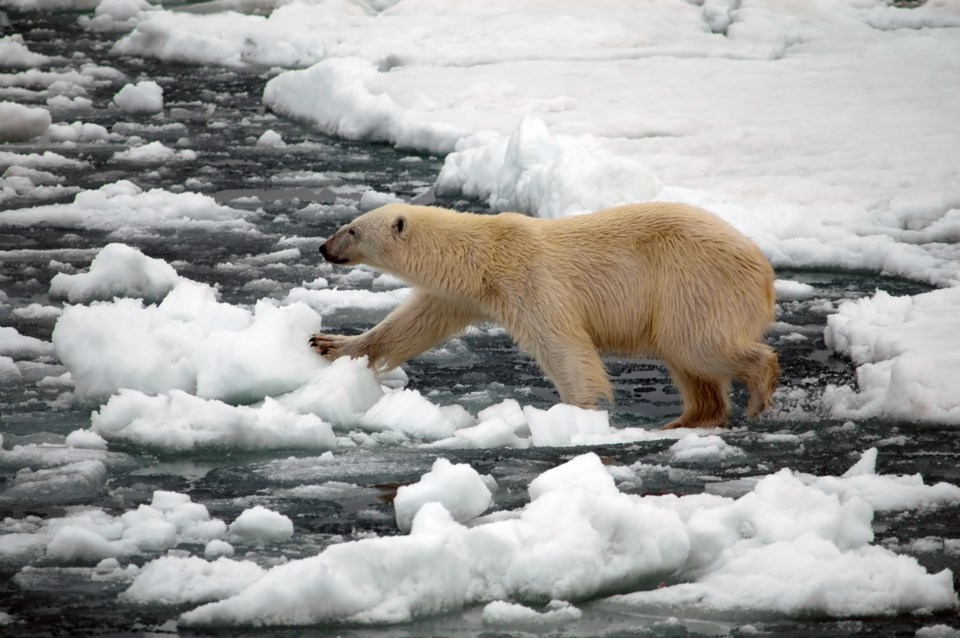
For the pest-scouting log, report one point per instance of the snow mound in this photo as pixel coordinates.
(118, 270)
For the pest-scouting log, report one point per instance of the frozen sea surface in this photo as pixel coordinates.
(129, 520)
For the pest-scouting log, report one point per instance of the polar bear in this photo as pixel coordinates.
(661, 280)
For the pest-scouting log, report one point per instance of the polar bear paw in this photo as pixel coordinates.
(334, 346)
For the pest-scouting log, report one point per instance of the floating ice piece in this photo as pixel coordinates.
(19, 123)
(181, 421)
(69, 483)
(906, 355)
(217, 548)
(792, 290)
(123, 205)
(91, 534)
(411, 414)
(270, 138)
(458, 487)
(562, 424)
(190, 342)
(86, 439)
(14, 53)
(704, 448)
(259, 525)
(785, 547)
(568, 543)
(339, 393)
(142, 98)
(154, 153)
(172, 580)
(500, 612)
(78, 132)
(18, 346)
(118, 270)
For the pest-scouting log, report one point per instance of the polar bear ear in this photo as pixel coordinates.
(399, 225)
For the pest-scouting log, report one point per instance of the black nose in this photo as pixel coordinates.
(323, 251)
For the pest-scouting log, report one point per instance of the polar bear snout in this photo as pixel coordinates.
(329, 251)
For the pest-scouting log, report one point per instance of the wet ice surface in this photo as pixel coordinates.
(69, 583)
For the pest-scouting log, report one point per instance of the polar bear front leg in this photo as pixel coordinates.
(415, 326)
(572, 362)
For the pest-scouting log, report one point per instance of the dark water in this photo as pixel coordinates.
(52, 600)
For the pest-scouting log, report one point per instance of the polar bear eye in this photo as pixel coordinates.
(351, 231)
(399, 224)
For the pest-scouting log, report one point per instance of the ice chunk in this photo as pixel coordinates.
(500, 612)
(86, 439)
(339, 393)
(704, 448)
(173, 580)
(259, 525)
(145, 97)
(792, 290)
(19, 123)
(118, 270)
(562, 424)
(181, 421)
(905, 351)
(217, 548)
(18, 346)
(77, 481)
(409, 413)
(123, 205)
(270, 138)
(458, 487)
(14, 53)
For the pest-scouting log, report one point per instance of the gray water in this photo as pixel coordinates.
(54, 600)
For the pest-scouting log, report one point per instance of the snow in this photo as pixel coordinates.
(19, 123)
(903, 347)
(18, 346)
(142, 98)
(458, 487)
(784, 547)
(259, 525)
(118, 270)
